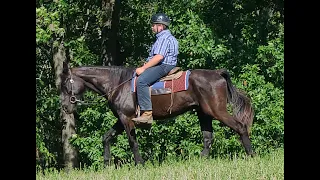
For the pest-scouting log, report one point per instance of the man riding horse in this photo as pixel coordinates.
(162, 59)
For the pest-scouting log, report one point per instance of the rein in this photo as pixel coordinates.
(73, 99)
(112, 90)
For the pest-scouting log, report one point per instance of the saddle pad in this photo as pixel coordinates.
(180, 84)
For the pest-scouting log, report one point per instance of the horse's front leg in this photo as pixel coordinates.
(116, 129)
(132, 138)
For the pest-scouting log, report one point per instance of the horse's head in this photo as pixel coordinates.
(72, 88)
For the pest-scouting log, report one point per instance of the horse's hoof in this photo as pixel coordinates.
(107, 163)
(139, 163)
(204, 153)
(253, 154)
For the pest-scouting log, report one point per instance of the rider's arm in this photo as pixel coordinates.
(153, 61)
(160, 51)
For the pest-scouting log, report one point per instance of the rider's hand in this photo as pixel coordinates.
(140, 70)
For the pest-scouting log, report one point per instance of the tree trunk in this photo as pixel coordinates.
(70, 154)
(110, 50)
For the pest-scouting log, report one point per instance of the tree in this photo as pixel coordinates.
(110, 50)
(70, 154)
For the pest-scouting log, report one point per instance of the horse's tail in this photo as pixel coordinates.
(242, 109)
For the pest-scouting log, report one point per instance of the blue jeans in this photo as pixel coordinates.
(146, 79)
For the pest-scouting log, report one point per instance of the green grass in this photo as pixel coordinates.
(270, 166)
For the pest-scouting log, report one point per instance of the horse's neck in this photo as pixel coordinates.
(101, 84)
(89, 84)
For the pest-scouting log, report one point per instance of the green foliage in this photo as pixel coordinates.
(47, 23)
(271, 59)
(47, 104)
(81, 53)
(197, 45)
(245, 37)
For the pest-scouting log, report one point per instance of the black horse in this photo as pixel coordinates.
(208, 93)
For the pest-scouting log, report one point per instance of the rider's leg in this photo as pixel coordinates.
(144, 81)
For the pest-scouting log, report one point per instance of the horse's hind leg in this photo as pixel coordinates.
(217, 108)
(223, 116)
(206, 128)
(238, 127)
(116, 129)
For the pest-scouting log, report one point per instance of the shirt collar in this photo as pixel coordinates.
(162, 33)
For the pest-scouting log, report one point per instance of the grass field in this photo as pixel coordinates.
(269, 167)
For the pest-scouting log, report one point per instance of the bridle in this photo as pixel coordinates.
(73, 99)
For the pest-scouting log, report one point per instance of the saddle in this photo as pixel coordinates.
(175, 73)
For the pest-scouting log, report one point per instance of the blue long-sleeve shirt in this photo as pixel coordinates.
(167, 46)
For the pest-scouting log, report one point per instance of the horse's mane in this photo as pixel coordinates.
(120, 73)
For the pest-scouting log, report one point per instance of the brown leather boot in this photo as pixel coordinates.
(146, 117)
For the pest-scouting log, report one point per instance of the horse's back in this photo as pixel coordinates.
(185, 100)
(204, 76)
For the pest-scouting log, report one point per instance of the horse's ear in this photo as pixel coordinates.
(65, 68)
